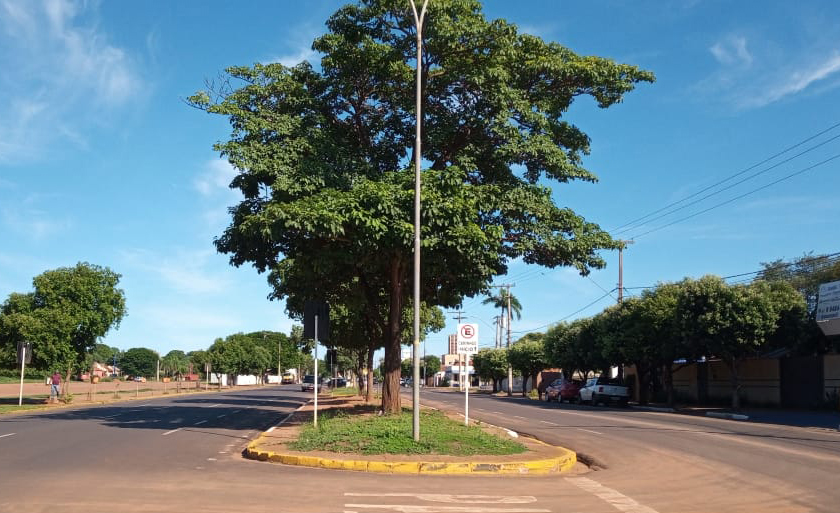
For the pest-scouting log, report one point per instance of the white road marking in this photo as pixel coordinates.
(111, 416)
(222, 452)
(212, 459)
(519, 417)
(616, 499)
(590, 431)
(199, 423)
(498, 413)
(549, 423)
(236, 411)
(408, 508)
(446, 497)
(170, 432)
(8, 434)
(270, 429)
(147, 404)
(222, 415)
(214, 405)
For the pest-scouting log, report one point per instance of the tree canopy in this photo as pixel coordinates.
(69, 309)
(139, 361)
(323, 161)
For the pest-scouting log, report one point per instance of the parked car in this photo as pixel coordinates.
(604, 390)
(337, 382)
(308, 383)
(563, 390)
(139, 379)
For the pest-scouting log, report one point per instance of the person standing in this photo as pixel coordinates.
(55, 381)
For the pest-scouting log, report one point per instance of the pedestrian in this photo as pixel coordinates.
(55, 380)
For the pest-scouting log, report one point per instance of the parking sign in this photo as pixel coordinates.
(467, 338)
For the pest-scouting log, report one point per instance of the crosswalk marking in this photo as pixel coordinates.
(446, 503)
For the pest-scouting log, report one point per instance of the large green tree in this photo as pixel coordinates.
(139, 361)
(69, 309)
(491, 364)
(323, 160)
(527, 356)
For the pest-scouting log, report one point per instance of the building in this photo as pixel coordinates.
(453, 344)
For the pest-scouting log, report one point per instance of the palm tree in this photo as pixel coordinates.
(501, 301)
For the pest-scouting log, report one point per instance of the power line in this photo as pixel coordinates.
(787, 177)
(768, 159)
(730, 186)
(566, 317)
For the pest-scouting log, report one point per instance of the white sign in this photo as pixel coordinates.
(828, 305)
(467, 341)
(828, 308)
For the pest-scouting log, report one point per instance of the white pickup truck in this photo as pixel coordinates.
(604, 390)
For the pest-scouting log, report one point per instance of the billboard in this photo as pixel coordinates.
(828, 308)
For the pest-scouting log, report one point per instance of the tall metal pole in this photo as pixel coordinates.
(510, 367)
(621, 268)
(418, 22)
(22, 367)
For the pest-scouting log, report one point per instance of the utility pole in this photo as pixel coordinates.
(621, 268)
(461, 365)
(510, 369)
(498, 340)
(418, 156)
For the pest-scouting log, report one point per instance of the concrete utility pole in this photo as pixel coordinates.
(510, 369)
(418, 23)
(498, 340)
(621, 268)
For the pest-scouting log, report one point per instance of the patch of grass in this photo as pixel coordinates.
(345, 391)
(392, 434)
(6, 380)
(8, 408)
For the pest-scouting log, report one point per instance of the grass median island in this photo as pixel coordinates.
(361, 431)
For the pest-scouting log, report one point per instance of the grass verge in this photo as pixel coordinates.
(362, 432)
(344, 392)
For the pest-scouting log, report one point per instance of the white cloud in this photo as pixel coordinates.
(304, 53)
(795, 80)
(33, 223)
(732, 51)
(182, 272)
(215, 178)
(67, 74)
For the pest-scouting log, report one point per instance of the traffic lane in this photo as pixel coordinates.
(789, 439)
(671, 457)
(249, 486)
(167, 430)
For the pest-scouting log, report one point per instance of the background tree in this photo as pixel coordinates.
(500, 301)
(68, 311)
(321, 156)
(198, 358)
(175, 363)
(491, 364)
(431, 364)
(528, 358)
(139, 361)
(104, 354)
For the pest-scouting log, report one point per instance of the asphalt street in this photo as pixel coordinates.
(672, 462)
(184, 453)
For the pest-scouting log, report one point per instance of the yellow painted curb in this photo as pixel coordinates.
(562, 463)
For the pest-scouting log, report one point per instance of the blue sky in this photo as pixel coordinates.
(101, 161)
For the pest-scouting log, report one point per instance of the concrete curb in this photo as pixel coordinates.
(653, 408)
(729, 416)
(561, 463)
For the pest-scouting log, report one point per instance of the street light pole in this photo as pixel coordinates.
(418, 22)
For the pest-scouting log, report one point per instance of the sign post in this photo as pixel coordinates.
(316, 321)
(24, 354)
(467, 342)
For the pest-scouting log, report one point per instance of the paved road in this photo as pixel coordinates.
(672, 462)
(183, 453)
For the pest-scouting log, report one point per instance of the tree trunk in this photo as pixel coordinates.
(495, 385)
(65, 387)
(642, 372)
(369, 387)
(393, 369)
(668, 378)
(736, 384)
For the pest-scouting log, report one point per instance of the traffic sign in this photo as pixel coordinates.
(467, 341)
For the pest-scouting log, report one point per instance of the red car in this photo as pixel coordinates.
(562, 389)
